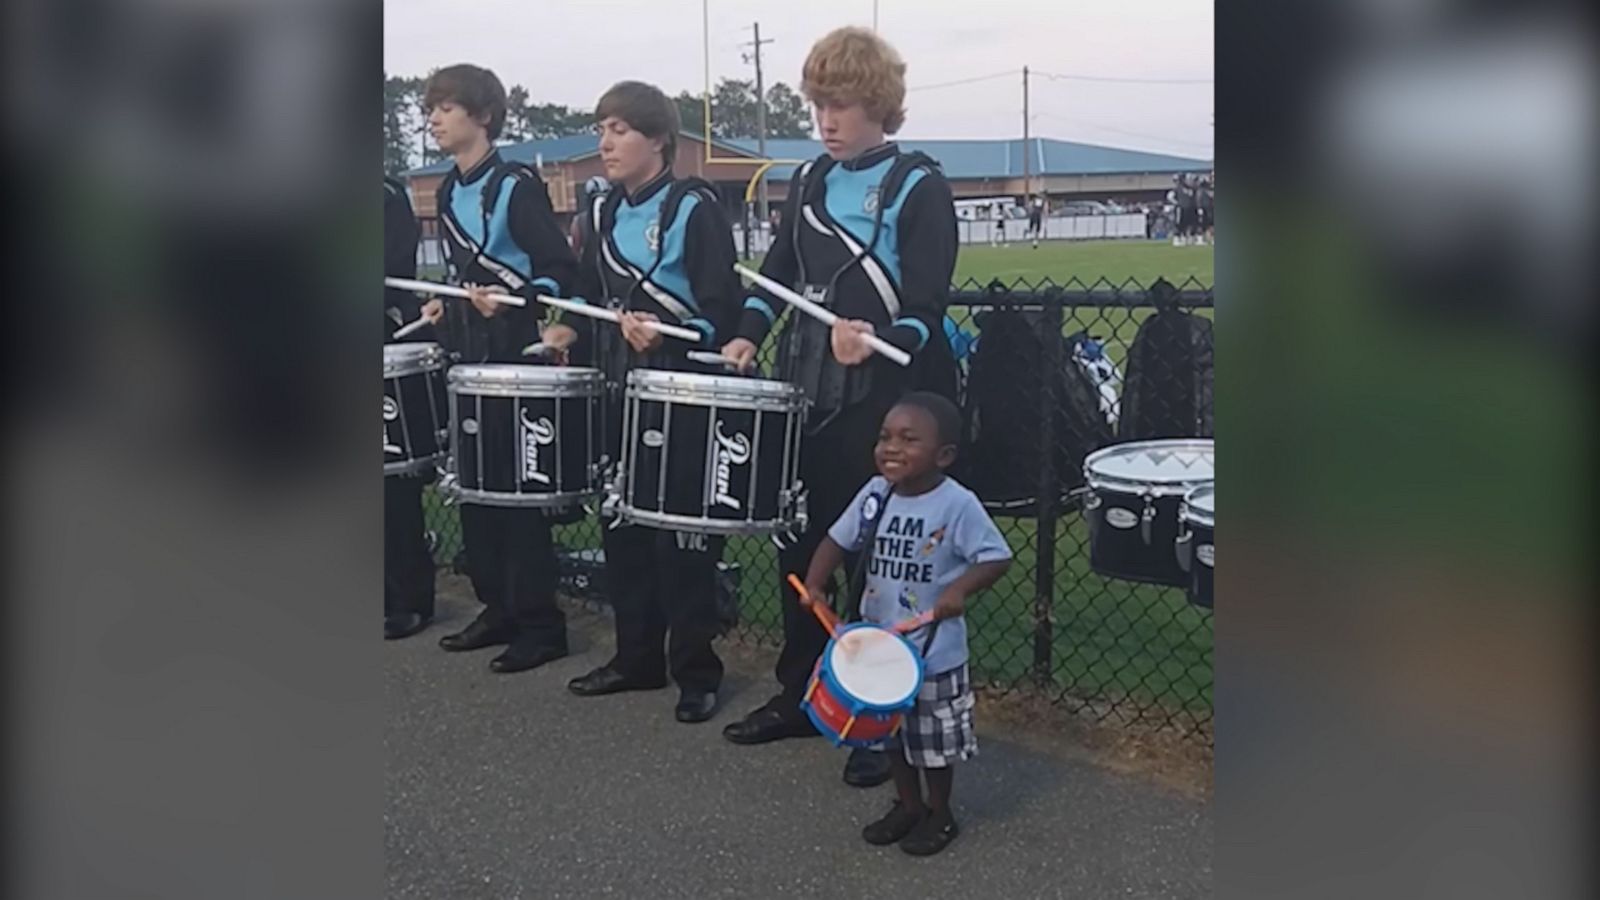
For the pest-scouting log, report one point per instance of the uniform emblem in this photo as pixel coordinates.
(870, 203)
(652, 236)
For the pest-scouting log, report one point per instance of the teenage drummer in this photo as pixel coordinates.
(662, 252)
(503, 237)
(869, 231)
(929, 546)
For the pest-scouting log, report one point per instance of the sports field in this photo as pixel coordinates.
(1088, 261)
(1110, 641)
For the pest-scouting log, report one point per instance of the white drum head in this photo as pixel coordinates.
(411, 358)
(874, 665)
(1173, 465)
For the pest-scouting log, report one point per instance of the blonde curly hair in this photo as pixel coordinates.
(853, 65)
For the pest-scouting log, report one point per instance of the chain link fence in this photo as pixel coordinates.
(1133, 655)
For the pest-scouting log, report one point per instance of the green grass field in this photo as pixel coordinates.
(1091, 262)
(1111, 641)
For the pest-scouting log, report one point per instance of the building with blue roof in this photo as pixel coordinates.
(1061, 170)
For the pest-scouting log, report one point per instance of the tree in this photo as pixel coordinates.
(733, 111)
(402, 122)
(519, 126)
(788, 115)
(691, 111)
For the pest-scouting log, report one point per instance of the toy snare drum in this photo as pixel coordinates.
(865, 682)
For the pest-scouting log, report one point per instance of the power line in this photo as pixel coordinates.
(1054, 76)
(944, 84)
(1137, 134)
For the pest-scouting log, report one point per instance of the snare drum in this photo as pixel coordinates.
(1196, 544)
(864, 683)
(415, 433)
(1132, 510)
(525, 435)
(711, 454)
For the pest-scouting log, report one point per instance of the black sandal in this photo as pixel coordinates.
(932, 834)
(895, 824)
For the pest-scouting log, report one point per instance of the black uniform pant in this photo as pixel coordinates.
(835, 463)
(662, 586)
(407, 563)
(511, 560)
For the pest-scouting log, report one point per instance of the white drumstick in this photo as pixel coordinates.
(598, 312)
(582, 309)
(409, 327)
(711, 359)
(448, 290)
(821, 314)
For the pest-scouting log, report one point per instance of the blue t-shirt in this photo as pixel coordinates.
(923, 544)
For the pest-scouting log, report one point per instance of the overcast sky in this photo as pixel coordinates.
(570, 51)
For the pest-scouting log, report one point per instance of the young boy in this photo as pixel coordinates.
(931, 547)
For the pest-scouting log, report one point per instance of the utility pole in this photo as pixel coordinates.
(761, 119)
(1027, 151)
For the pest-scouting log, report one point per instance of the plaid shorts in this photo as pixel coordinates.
(938, 729)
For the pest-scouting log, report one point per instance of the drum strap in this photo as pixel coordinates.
(869, 536)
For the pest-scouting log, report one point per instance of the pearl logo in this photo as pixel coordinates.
(1207, 554)
(469, 426)
(536, 433)
(1117, 517)
(732, 450)
(652, 438)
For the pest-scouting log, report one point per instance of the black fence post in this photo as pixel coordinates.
(1049, 490)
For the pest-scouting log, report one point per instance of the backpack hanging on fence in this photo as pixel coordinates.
(1002, 456)
(1168, 389)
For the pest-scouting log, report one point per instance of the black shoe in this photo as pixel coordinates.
(866, 768)
(694, 706)
(475, 637)
(896, 824)
(404, 625)
(932, 834)
(606, 680)
(765, 725)
(517, 660)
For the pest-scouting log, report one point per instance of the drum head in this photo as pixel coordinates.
(875, 665)
(1160, 467)
(660, 384)
(410, 358)
(517, 379)
(1200, 505)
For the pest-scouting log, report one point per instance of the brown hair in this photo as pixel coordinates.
(474, 88)
(853, 65)
(646, 110)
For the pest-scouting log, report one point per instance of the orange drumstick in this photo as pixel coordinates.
(820, 610)
(913, 623)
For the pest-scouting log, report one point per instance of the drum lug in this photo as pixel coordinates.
(801, 518)
(1184, 549)
(1147, 518)
(611, 497)
(448, 488)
